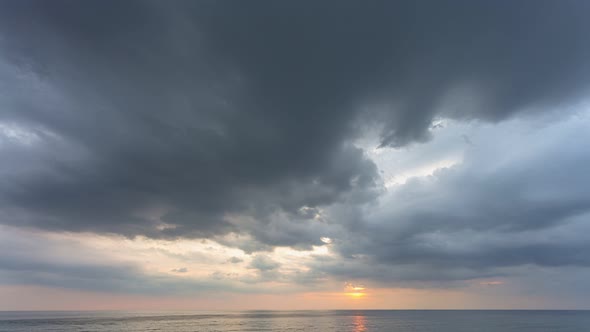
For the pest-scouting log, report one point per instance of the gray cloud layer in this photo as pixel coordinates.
(520, 199)
(165, 118)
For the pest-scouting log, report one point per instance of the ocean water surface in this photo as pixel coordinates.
(341, 320)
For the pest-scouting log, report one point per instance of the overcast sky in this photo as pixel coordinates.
(294, 154)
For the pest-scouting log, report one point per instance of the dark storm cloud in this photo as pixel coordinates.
(162, 118)
(406, 54)
(159, 124)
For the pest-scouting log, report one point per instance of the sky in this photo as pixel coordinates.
(232, 155)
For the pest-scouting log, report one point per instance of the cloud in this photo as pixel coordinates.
(176, 115)
(519, 199)
(240, 122)
(264, 263)
(33, 259)
(64, 261)
(235, 260)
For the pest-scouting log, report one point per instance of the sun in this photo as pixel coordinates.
(355, 291)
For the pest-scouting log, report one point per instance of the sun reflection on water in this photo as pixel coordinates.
(359, 323)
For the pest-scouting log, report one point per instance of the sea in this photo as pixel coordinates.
(291, 321)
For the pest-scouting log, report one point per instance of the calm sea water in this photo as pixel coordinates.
(341, 321)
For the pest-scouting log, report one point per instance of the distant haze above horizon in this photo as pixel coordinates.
(231, 155)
